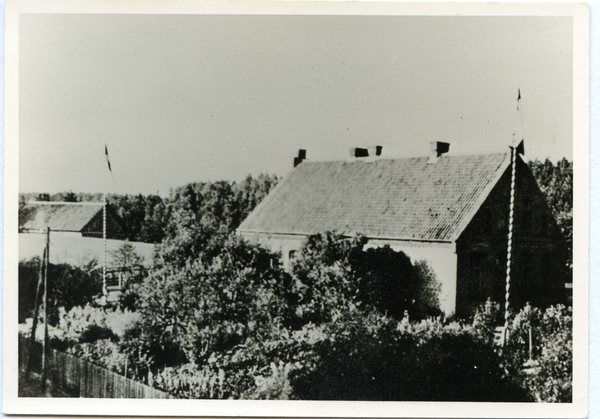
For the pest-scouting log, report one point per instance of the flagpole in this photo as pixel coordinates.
(511, 211)
(104, 289)
(516, 148)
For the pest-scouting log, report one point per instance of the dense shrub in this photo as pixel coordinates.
(388, 360)
(68, 287)
(92, 323)
(28, 279)
(103, 352)
(338, 274)
(549, 376)
(213, 305)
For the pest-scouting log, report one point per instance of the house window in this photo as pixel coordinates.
(291, 257)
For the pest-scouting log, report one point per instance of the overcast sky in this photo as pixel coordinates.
(184, 98)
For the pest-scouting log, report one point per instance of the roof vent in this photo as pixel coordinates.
(300, 158)
(437, 149)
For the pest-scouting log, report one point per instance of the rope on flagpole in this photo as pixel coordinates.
(510, 239)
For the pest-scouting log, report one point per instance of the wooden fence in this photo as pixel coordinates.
(80, 378)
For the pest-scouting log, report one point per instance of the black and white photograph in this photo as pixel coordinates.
(217, 206)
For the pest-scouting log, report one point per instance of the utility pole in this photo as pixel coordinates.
(45, 341)
(36, 307)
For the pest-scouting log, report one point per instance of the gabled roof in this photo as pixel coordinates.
(59, 216)
(405, 199)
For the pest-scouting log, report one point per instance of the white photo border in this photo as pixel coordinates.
(103, 407)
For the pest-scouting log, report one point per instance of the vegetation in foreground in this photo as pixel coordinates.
(235, 325)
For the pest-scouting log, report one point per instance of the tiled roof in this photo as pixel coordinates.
(59, 216)
(398, 199)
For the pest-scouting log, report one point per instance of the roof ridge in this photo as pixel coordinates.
(379, 158)
(64, 203)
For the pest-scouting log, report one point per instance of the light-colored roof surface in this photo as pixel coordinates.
(397, 199)
(59, 216)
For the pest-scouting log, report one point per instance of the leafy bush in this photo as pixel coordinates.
(213, 305)
(380, 359)
(232, 324)
(28, 279)
(337, 274)
(549, 378)
(487, 318)
(103, 352)
(68, 287)
(88, 324)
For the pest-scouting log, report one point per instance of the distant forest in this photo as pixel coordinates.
(222, 206)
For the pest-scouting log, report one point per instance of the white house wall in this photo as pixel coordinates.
(440, 256)
(72, 248)
(281, 243)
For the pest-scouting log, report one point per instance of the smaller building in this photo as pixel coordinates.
(76, 232)
(75, 218)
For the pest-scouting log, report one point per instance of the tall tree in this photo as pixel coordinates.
(556, 182)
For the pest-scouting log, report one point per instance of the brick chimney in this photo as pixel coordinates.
(359, 152)
(375, 151)
(437, 149)
(300, 158)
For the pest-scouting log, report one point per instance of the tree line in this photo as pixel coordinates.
(152, 219)
(556, 183)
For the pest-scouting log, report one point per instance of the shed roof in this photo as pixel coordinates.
(59, 216)
(405, 199)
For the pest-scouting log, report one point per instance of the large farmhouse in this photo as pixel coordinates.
(450, 210)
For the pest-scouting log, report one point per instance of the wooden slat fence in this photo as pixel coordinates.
(81, 378)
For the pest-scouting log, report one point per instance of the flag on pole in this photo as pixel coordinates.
(107, 159)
